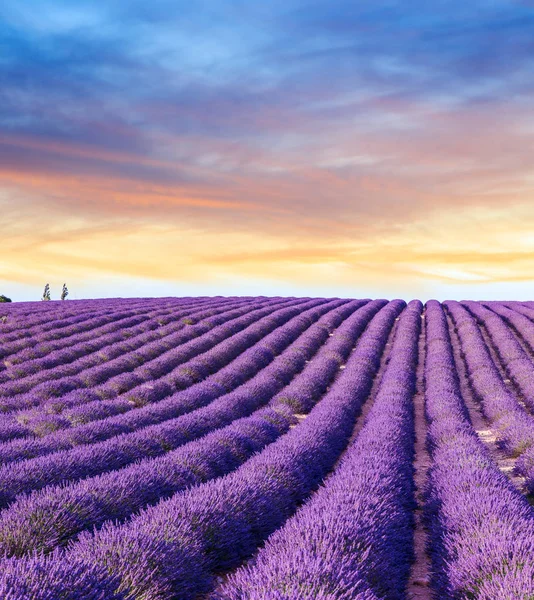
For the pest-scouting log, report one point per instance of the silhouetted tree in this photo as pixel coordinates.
(64, 292)
(4, 298)
(46, 293)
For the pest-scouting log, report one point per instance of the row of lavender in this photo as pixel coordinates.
(246, 407)
(497, 343)
(318, 437)
(299, 394)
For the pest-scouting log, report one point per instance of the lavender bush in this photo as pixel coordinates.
(197, 448)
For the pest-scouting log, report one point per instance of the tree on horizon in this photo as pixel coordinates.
(46, 292)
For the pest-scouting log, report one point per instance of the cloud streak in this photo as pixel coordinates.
(283, 139)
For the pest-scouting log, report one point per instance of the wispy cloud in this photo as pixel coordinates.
(272, 140)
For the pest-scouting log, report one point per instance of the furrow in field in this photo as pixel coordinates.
(159, 401)
(121, 450)
(481, 425)
(419, 581)
(481, 527)
(173, 549)
(352, 537)
(45, 519)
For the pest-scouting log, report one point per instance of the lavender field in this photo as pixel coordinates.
(266, 448)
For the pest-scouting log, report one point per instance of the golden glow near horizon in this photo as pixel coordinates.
(437, 250)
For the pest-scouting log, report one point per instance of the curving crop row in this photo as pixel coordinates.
(72, 369)
(513, 426)
(34, 309)
(120, 366)
(23, 324)
(53, 330)
(155, 355)
(43, 419)
(481, 527)
(50, 518)
(65, 391)
(119, 337)
(121, 450)
(198, 395)
(353, 538)
(303, 392)
(184, 366)
(213, 367)
(173, 548)
(18, 423)
(58, 513)
(133, 418)
(117, 340)
(42, 352)
(68, 323)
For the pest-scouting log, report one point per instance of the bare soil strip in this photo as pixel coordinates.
(478, 420)
(300, 417)
(418, 586)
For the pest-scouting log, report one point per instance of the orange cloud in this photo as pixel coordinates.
(450, 204)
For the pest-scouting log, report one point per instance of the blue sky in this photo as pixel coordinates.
(298, 147)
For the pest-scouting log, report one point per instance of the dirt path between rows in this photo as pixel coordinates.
(418, 586)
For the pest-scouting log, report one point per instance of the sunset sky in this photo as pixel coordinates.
(365, 149)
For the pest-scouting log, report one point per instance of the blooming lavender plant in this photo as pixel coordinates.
(513, 426)
(354, 536)
(148, 446)
(481, 527)
(134, 482)
(172, 549)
